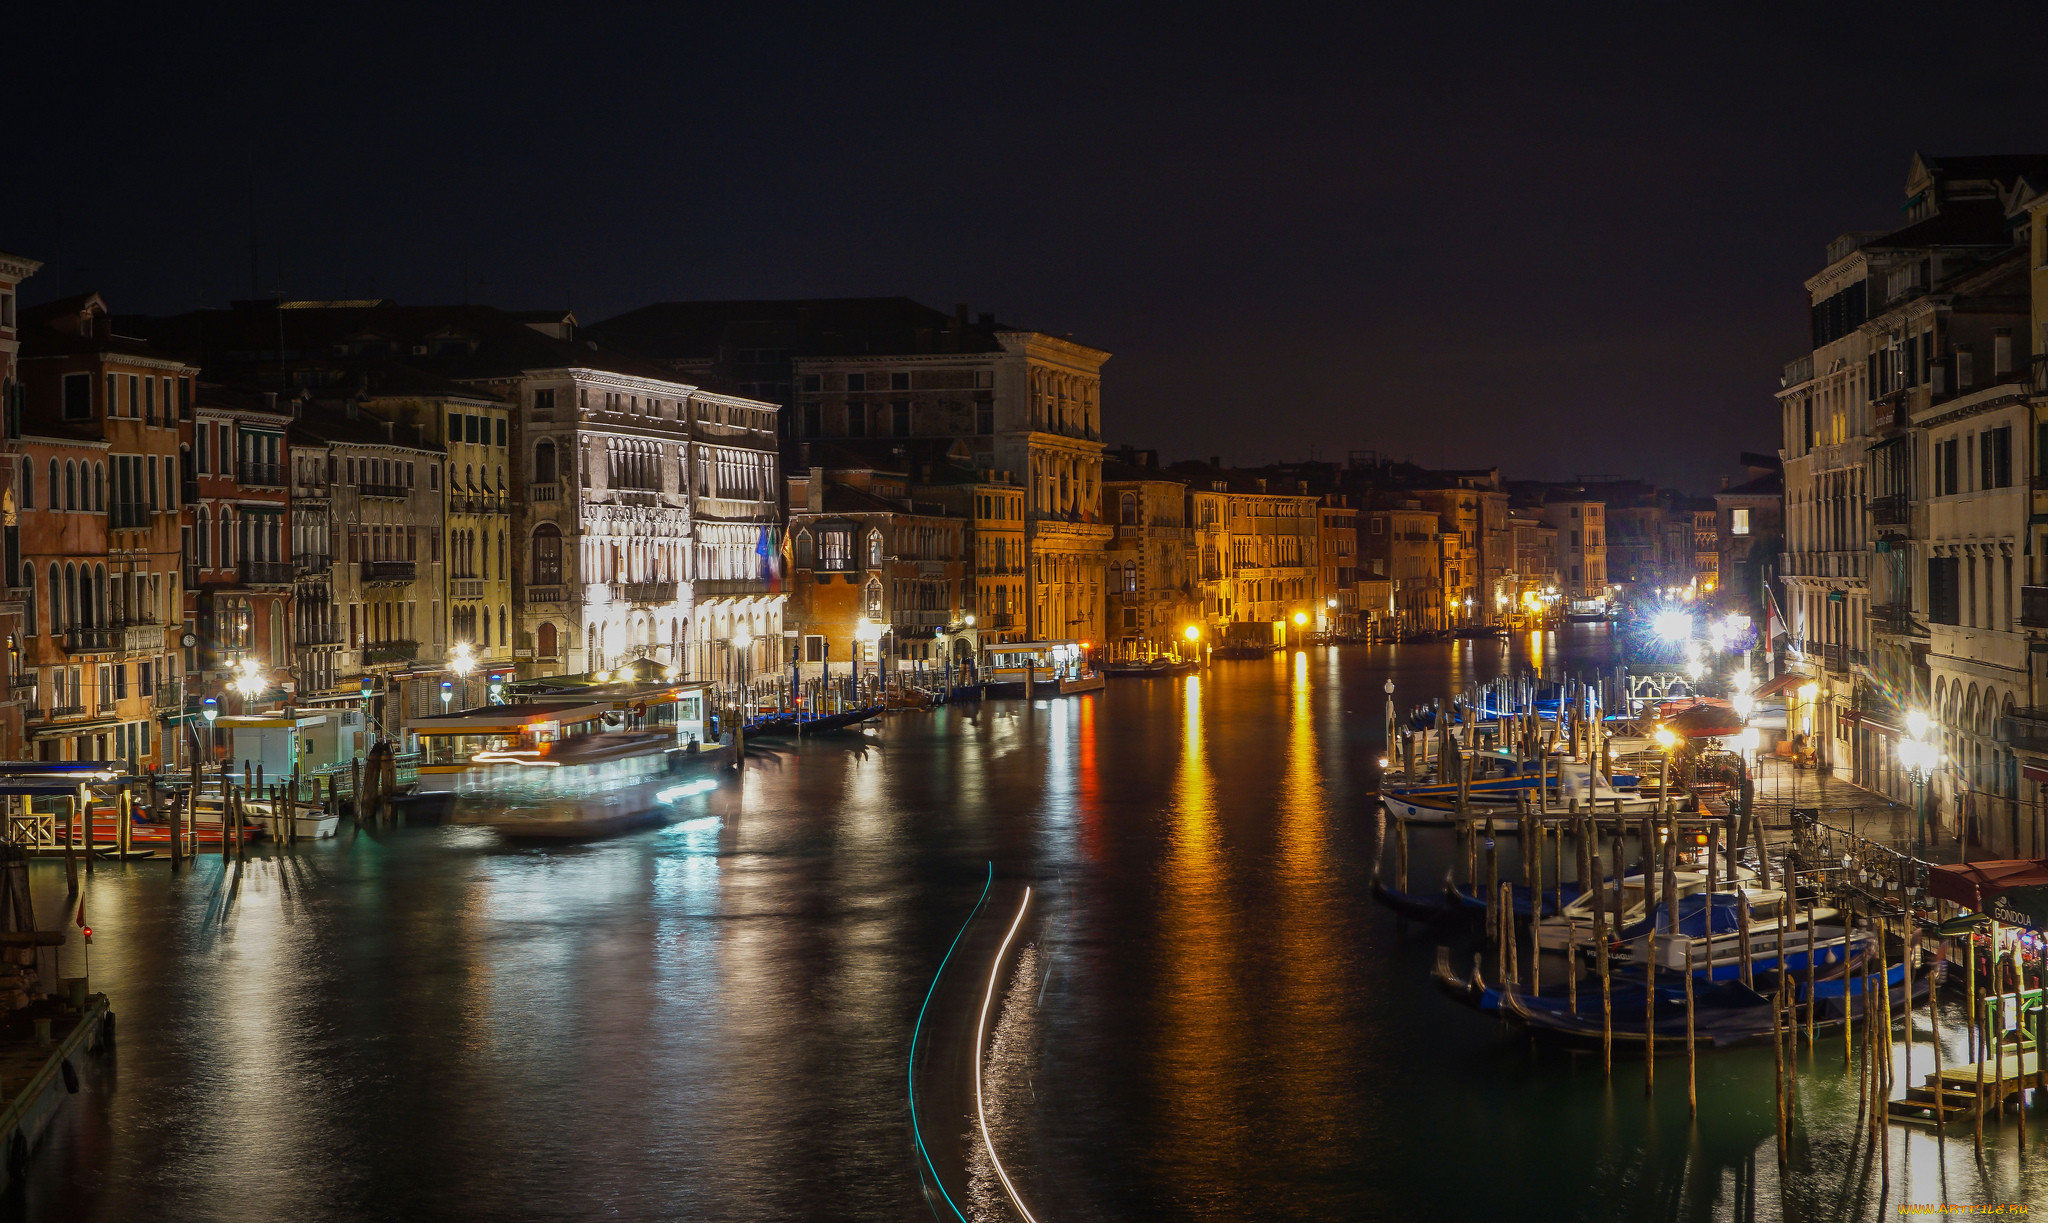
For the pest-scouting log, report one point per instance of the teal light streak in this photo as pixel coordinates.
(915, 1133)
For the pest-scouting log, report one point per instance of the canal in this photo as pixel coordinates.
(1209, 1019)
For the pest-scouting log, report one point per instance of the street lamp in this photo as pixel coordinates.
(867, 632)
(249, 682)
(1921, 756)
(447, 694)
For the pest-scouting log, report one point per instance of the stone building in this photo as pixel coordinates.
(237, 544)
(1022, 402)
(877, 578)
(138, 400)
(1152, 560)
(18, 682)
(1401, 545)
(1581, 525)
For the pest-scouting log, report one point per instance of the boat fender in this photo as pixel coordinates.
(107, 1031)
(70, 1076)
(17, 1154)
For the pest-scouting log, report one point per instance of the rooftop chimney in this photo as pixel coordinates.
(1724, 481)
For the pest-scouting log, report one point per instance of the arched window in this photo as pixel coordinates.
(591, 659)
(28, 487)
(99, 488)
(544, 640)
(487, 627)
(70, 485)
(803, 549)
(547, 555)
(1127, 510)
(99, 596)
(874, 549)
(504, 570)
(874, 599)
(58, 608)
(202, 539)
(226, 560)
(28, 604)
(503, 639)
(54, 486)
(544, 463)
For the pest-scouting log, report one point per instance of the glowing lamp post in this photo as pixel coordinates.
(447, 694)
(867, 633)
(249, 682)
(1921, 756)
(1666, 740)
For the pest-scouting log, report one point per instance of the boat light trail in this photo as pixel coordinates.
(513, 757)
(994, 971)
(678, 793)
(915, 1134)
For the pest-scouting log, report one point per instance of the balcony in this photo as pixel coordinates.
(141, 638)
(389, 573)
(315, 637)
(920, 619)
(260, 475)
(127, 515)
(713, 588)
(89, 641)
(397, 492)
(312, 564)
(476, 503)
(465, 588)
(63, 711)
(545, 594)
(2034, 607)
(168, 699)
(644, 592)
(2025, 730)
(1833, 657)
(390, 652)
(996, 620)
(1896, 619)
(1895, 510)
(544, 492)
(266, 573)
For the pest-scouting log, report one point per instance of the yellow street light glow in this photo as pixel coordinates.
(1808, 691)
(1665, 739)
(669, 673)
(1916, 723)
(1191, 633)
(1301, 617)
(601, 676)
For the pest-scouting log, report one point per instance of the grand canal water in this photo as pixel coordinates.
(1211, 1019)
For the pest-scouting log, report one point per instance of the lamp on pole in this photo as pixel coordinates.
(866, 632)
(1921, 756)
(462, 661)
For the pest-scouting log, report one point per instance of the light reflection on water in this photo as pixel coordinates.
(710, 1021)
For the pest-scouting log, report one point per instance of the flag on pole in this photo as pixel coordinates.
(769, 569)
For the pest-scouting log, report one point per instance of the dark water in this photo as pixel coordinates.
(1208, 1017)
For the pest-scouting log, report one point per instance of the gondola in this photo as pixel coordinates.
(1415, 906)
(815, 723)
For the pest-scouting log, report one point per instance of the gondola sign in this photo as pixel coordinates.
(2023, 907)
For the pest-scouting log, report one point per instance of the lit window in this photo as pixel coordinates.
(1738, 522)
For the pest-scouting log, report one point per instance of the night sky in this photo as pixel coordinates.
(1561, 244)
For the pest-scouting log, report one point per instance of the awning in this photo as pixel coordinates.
(1977, 885)
(1706, 721)
(1785, 683)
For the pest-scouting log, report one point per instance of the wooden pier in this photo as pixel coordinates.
(1955, 1088)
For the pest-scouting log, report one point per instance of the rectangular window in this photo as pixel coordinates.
(1738, 522)
(543, 401)
(984, 416)
(813, 420)
(856, 420)
(106, 687)
(813, 383)
(1944, 589)
(501, 431)
(900, 418)
(856, 382)
(145, 677)
(78, 396)
(121, 681)
(1998, 457)
(134, 396)
(149, 400)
